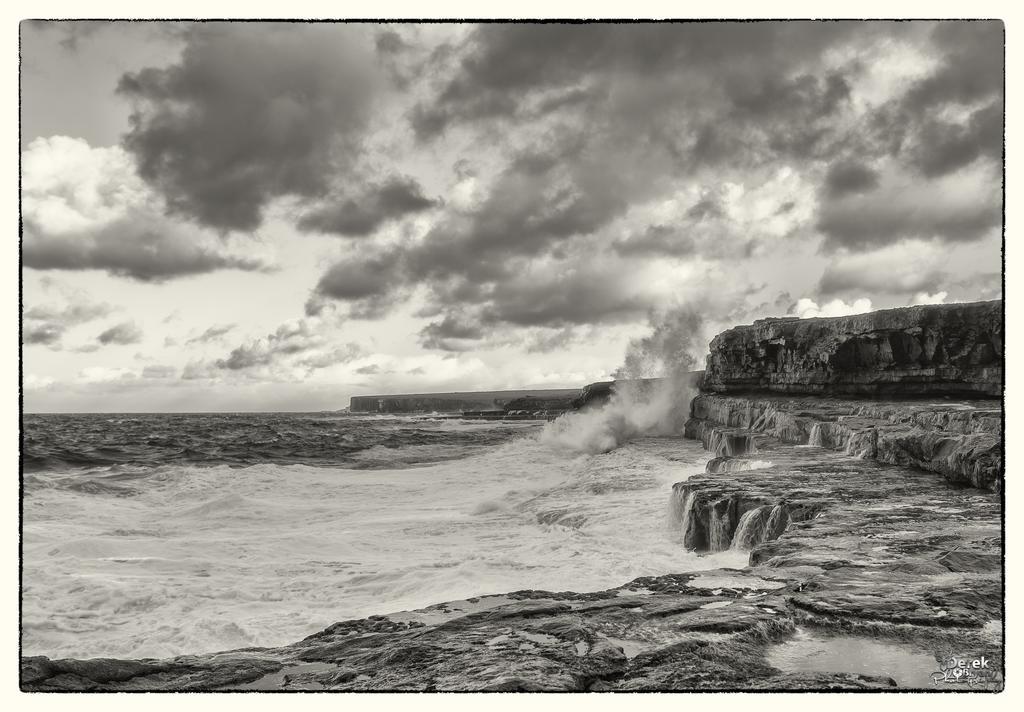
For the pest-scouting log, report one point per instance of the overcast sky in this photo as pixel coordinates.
(276, 217)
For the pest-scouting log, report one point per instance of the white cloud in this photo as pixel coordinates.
(925, 298)
(34, 382)
(86, 208)
(71, 187)
(102, 374)
(902, 268)
(808, 308)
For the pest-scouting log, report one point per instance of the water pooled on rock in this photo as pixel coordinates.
(811, 652)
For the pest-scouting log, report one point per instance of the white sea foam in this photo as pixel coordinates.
(213, 558)
(639, 404)
(635, 409)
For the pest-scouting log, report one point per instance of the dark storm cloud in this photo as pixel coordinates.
(508, 70)
(70, 315)
(390, 42)
(341, 354)
(128, 248)
(953, 115)
(970, 68)
(286, 340)
(943, 147)
(886, 216)
(45, 334)
(651, 100)
(946, 128)
(127, 332)
(76, 33)
(705, 230)
(362, 215)
(849, 177)
(602, 120)
(556, 295)
(884, 277)
(548, 340)
(544, 197)
(46, 324)
(246, 356)
(249, 113)
(657, 240)
(610, 93)
(453, 333)
(370, 283)
(360, 277)
(920, 128)
(565, 296)
(704, 208)
(301, 340)
(968, 76)
(214, 333)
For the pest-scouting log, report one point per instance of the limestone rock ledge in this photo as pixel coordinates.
(953, 349)
(961, 440)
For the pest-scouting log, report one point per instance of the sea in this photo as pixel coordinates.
(157, 535)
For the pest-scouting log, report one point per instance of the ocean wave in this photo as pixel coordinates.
(62, 442)
(213, 556)
(635, 409)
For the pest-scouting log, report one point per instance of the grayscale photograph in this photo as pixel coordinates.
(597, 356)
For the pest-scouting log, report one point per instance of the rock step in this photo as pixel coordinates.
(959, 440)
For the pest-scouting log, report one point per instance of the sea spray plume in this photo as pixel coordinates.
(668, 351)
(651, 395)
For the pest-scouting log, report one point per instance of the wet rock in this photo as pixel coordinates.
(961, 440)
(563, 518)
(186, 673)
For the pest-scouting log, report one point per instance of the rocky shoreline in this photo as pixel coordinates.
(960, 440)
(873, 529)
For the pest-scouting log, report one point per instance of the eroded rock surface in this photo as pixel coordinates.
(952, 349)
(961, 440)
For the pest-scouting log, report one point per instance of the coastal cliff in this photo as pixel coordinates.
(755, 402)
(871, 529)
(932, 350)
(559, 398)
